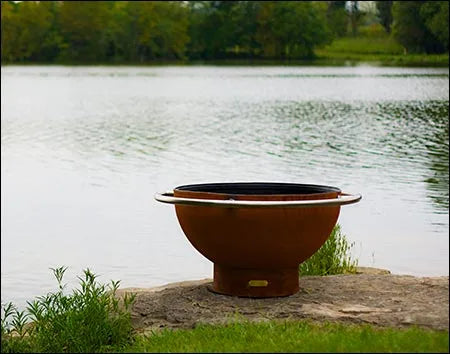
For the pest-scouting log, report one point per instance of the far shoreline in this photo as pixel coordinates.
(324, 59)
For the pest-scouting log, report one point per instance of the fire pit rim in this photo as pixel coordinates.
(341, 199)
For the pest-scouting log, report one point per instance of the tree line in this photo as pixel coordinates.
(134, 32)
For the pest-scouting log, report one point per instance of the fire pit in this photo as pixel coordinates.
(257, 234)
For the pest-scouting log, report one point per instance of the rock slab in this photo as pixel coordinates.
(377, 298)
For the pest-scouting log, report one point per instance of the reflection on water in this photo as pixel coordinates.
(438, 153)
(232, 72)
(85, 148)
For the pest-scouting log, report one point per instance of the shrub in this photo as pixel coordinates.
(91, 319)
(332, 258)
(375, 30)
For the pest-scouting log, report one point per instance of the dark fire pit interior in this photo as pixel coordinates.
(257, 234)
(255, 188)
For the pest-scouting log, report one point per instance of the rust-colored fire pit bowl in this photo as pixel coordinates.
(257, 234)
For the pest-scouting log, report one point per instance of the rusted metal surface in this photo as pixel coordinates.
(256, 251)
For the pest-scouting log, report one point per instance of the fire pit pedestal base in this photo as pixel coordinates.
(255, 282)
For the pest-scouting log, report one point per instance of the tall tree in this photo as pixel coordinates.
(298, 27)
(356, 16)
(337, 18)
(410, 29)
(161, 29)
(133, 31)
(53, 40)
(10, 31)
(213, 28)
(385, 14)
(83, 26)
(435, 16)
(244, 19)
(24, 29)
(265, 35)
(122, 32)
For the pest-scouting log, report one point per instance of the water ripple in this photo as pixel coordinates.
(84, 150)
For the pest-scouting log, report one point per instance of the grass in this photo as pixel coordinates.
(365, 45)
(292, 336)
(375, 45)
(332, 258)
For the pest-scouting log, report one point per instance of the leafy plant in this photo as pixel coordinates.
(14, 330)
(332, 258)
(91, 319)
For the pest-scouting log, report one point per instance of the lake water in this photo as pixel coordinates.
(84, 149)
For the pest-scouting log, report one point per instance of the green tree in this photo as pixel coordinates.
(337, 18)
(171, 29)
(53, 40)
(197, 14)
(25, 27)
(435, 16)
(269, 29)
(265, 37)
(122, 32)
(356, 16)
(212, 29)
(298, 27)
(10, 31)
(410, 26)
(243, 17)
(161, 29)
(83, 26)
(385, 14)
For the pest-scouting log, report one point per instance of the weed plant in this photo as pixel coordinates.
(332, 258)
(91, 319)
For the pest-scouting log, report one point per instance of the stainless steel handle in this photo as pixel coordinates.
(342, 199)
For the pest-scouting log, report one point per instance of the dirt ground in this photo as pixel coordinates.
(372, 296)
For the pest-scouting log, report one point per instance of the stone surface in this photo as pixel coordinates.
(371, 297)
